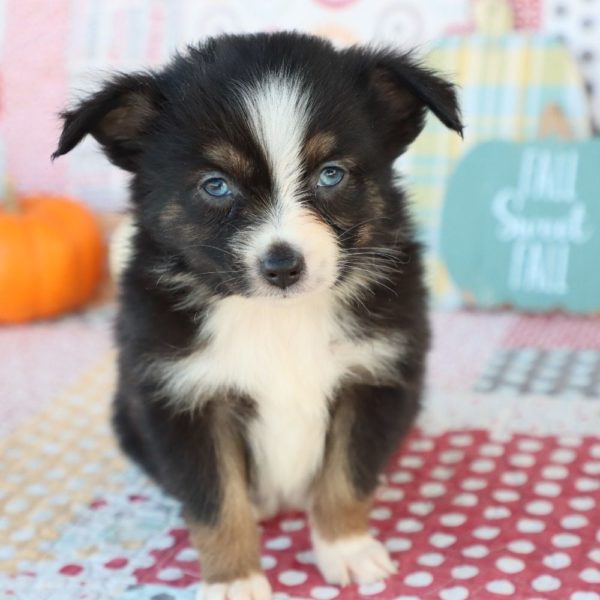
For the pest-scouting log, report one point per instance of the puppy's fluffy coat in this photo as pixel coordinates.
(272, 327)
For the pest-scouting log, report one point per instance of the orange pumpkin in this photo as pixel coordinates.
(52, 256)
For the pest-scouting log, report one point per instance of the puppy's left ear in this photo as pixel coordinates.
(402, 91)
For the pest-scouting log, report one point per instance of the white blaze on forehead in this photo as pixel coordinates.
(278, 112)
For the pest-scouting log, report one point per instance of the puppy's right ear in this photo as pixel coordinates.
(117, 116)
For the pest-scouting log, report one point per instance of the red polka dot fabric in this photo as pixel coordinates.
(464, 515)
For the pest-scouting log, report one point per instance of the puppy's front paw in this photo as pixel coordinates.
(360, 559)
(255, 587)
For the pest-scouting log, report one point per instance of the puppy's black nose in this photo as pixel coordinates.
(282, 266)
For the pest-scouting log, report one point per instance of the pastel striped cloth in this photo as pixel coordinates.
(505, 83)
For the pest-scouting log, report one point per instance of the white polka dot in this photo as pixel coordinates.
(16, 506)
(585, 484)
(461, 440)
(143, 562)
(433, 489)
(514, 478)
(418, 579)
(492, 450)
(530, 445)
(558, 560)
(451, 456)
(381, 513)
(571, 441)
(483, 465)
(501, 587)
(170, 574)
(187, 554)
(442, 540)
(306, 557)
(539, 507)
(431, 559)
(486, 533)
(420, 508)
(409, 525)
(60, 499)
(496, 512)
(279, 543)
(268, 562)
(594, 555)
(555, 472)
(548, 488)
(464, 572)
(566, 540)
(530, 525)
(324, 593)
(522, 460)
(521, 547)
(473, 484)
(401, 477)
(465, 500)
(591, 468)
(453, 519)
(443, 473)
(585, 596)
(500, 437)
(582, 503)
(455, 593)
(37, 489)
(411, 462)
(288, 525)
(510, 565)
(590, 575)
(371, 589)
(563, 456)
(292, 577)
(574, 521)
(506, 495)
(162, 542)
(476, 551)
(595, 451)
(545, 583)
(422, 445)
(398, 544)
(390, 495)
(23, 535)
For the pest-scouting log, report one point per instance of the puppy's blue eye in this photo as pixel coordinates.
(331, 176)
(217, 187)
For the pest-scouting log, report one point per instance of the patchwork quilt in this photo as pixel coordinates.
(496, 493)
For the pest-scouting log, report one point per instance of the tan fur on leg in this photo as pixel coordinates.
(336, 510)
(230, 548)
(344, 549)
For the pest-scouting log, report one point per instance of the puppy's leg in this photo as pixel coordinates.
(201, 459)
(367, 423)
(229, 547)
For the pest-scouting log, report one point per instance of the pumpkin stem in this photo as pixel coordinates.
(10, 203)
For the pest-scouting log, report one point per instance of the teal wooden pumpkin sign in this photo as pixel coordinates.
(521, 225)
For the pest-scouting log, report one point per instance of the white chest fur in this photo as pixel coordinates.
(288, 356)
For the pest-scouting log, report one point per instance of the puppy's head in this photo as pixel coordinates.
(262, 165)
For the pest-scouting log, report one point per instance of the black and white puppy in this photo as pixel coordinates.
(273, 326)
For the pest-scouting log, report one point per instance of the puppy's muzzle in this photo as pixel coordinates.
(282, 266)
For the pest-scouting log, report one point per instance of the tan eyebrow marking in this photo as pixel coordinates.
(230, 158)
(319, 147)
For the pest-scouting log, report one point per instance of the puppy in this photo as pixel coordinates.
(272, 328)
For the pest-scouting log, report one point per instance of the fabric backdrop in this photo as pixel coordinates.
(51, 51)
